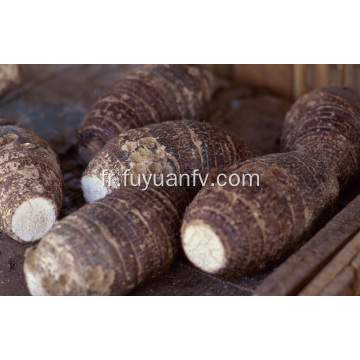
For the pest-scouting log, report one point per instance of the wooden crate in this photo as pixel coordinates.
(328, 264)
(290, 81)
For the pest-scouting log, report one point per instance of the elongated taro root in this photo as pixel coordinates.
(109, 246)
(327, 122)
(149, 94)
(31, 187)
(238, 230)
(173, 147)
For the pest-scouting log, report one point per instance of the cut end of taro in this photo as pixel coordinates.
(203, 247)
(33, 219)
(93, 188)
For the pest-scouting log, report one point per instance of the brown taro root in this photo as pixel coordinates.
(149, 94)
(31, 187)
(327, 122)
(110, 246)
(173, 147)
(239, 230)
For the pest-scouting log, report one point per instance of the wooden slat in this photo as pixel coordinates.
(308, 77)
(353, 77)
(350, 76)
(274, 78)
(343, 284)
(338, 277)
(336, 74)
(290, 81)
(300, 269)
(9, 77)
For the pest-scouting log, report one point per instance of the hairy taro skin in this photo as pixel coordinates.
(326, 122)
(173, 147)
(110, 246)
(257, 226)
(146, 95)
(29, 169)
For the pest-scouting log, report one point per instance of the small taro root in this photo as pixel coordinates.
(31, 188)
(110, 246)
(173, 147)
(326, 122)
(149, 94)
(239, 230)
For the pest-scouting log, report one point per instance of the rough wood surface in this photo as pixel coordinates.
(340, 275)
(9, 78)
(301, 268)
(307, 77)
(275, 79)
(290, 81)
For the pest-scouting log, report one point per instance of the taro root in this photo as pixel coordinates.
(110, 246)
(326, 122)
(31, 188)
(239, 230)
(149, 94)
(173, 147)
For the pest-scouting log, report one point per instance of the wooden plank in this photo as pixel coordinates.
(274, 78)
(355, 265)
(338, 276)
(308, 77)
(337, 74)
(298, 270)
(350, 76)
(9, 77)
(353, 77)
(342, 285)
